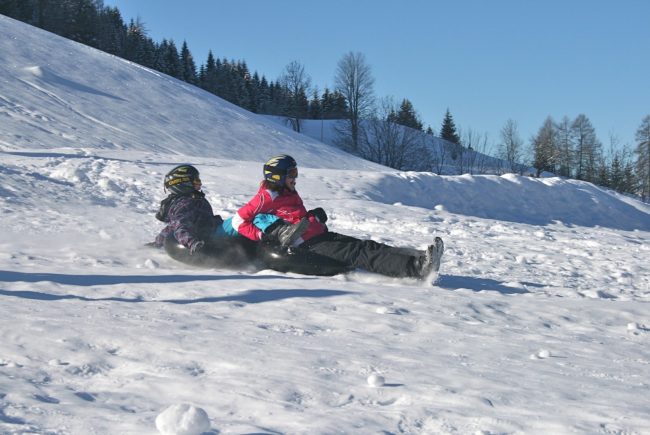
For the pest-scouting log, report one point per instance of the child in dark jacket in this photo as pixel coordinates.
(191, 221)
(278, 196)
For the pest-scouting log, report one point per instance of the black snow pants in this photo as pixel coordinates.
(366, 254)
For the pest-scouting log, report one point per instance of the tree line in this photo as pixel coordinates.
(383, 130)
(91, 23)
(570, 148)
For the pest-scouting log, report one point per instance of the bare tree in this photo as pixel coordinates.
(355, 82)
(510, 148)
(643, 157)
(440, 155)
(477, 150)
(565, 151)
(392, 144)
(588, 148)
(545, 147)
(297, 83)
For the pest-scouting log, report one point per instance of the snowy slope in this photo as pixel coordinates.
(63, 94)
(538, 323)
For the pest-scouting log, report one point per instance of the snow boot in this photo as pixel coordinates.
(439, 248)
(285, 234)
(430, 262)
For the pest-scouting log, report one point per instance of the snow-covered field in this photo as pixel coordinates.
(538, 323)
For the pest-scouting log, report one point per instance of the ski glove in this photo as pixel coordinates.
(196, 246)
(319, 214)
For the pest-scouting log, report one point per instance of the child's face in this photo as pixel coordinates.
(290, 180)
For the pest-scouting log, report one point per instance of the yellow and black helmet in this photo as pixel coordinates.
(278, 167)
(182, 179)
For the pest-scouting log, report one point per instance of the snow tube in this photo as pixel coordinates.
(232, 253)
(299, 261)
(241, 253)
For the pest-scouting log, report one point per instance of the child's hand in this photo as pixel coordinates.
(319, 213)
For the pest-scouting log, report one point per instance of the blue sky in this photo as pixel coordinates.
(487, 61)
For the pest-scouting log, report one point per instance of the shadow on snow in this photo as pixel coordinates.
(249, 297)
(450, 282)
(91, 280)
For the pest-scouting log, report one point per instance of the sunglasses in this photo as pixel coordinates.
(292, 173)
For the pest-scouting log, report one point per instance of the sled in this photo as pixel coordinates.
(241, 253)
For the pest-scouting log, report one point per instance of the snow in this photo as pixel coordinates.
(537, 323)
(183, 419)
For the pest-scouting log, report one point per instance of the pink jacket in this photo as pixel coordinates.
(286, 205)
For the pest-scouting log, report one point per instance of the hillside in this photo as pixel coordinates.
(537, 323)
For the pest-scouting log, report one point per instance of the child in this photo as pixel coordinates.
(277, 195)
(190, 219)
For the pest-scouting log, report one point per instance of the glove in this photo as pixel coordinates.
(319, 214)
(196, 246)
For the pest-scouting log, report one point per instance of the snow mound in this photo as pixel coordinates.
(182, 419)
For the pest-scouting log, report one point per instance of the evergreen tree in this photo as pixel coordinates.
(241, 81)
(167, 60)
(188, 67)
(326, 103)
(83, 22)
(173, 60)
(448, 129)
(315, 108)
(111, 32)
(253, 89)
(617, 174)
(333, 105)
(406, 116)
(139, 48)
(264, 97)
(208, 77)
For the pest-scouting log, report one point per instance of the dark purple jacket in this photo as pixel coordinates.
(189, 219)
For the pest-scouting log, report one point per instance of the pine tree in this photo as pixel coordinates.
(406, 116)
(188, 67)
(617, 174)
(315, 108)
(111, 32)
(264, 97)
(448, 129)
(208, 78)
(339, 105)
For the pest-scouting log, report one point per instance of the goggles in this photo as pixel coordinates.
(292, 173)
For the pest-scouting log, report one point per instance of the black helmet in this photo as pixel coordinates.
(182, 179)
(278, 167)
